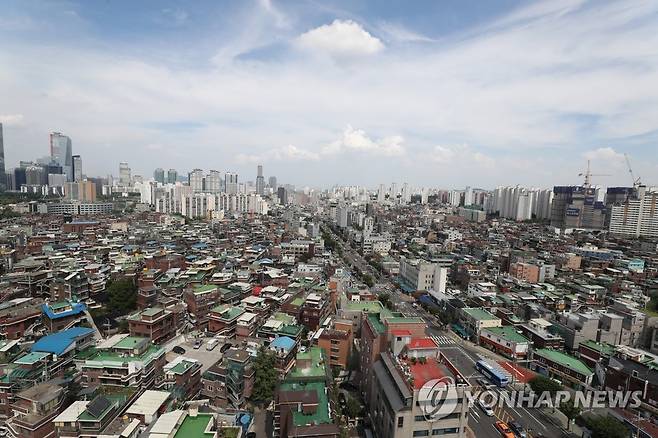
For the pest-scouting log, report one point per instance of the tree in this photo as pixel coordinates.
(540, 384)
(606, 427)
(352, 407)
(570, 411)
(265, 376)
(385, 299)
(368, 280)
(122, 296)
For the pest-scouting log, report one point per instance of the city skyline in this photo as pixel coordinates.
(300, 89)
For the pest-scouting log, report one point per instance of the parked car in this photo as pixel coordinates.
(225, 347)
(484, 383)
(504, 429)
(197, 344)
(517, 429)
(178, 349)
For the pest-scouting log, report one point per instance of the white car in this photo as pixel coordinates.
(487, 410)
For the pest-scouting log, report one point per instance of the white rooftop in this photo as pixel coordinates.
(148, 403)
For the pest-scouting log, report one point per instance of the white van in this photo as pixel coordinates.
(211, 344)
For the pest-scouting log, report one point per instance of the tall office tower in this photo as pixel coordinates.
(424, 196)
(124, 174)
(172, 176)
(3, 172)
(260, 181)
(633, 211)
(159, 175)
(576, 207)
(468, 196)
(381, 193)
(406, 194)
(231, 183)
(272, 183)
(282, 194)
(213, 182)
(61, 152)
(195, 180)
(77, 168)
(393, 196)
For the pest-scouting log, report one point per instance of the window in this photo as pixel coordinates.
(445, 431)
(400, 422)
(421, 433)
(420, 418)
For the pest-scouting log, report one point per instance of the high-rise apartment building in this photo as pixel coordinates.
(231, 183)
(61, 152)
(272, 183)
(77, 168)
(172, 176)
(213, 182)
(632, 211)
(159, 175)
(195, 179)
(260, 181)
(577, 207)
(3, 172)
(124, 175)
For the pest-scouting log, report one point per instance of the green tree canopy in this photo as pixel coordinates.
(606, 427)
(122, 296)
(265, 376)
(541, 384)
(570, 411)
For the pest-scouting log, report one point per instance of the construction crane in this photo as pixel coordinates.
(588, 176)
(636, 181)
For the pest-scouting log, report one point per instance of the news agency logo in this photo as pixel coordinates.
(438, 398)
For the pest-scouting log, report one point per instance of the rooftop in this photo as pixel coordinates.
(565, 360)
(508, 333)
(193, 427)
(479, 314)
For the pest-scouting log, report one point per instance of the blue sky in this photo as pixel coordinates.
(436, 93)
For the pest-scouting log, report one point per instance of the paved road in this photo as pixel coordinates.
(461, 353)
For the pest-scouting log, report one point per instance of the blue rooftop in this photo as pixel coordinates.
(76, 309)
(57, 343)
(283, 342)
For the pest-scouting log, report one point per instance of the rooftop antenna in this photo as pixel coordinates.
(588, 175)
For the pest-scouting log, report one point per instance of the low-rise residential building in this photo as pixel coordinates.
(563, 367)
(123, 361)
(154, 323)
(506, 341)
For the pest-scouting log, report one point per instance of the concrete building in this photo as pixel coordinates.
(260, 181)
(77, 168)
(159, 175)
(423, 275)
(577, 207)
(125, 177)
(61, 152)
(172, 176)
(636, 215)
(231, 183)
(397, 406)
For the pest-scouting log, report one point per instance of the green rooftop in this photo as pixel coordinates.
(405, 320)
(565, 360)
(508, 333)
(193, 427)
(298, 302)
(205, 288)
(376, 323)
(130, 342)
(102, 358)
(316, 369)
(31, 358)
(283, 317)
(321, 414)
(479, 314)
(600, 347)
(182, 367)
(365, 306)
(228, 312)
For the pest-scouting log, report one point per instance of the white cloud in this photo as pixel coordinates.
(284, 153)
(461, 155)
(341, 39)
(397, 32)
(11, 119)
(607, 154)
(357, 140)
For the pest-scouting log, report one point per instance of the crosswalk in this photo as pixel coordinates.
(443, 340)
